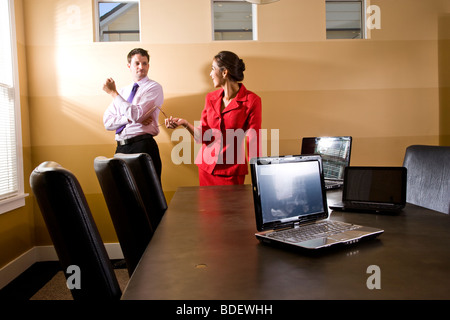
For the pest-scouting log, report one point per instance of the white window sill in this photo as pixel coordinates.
(12, 203)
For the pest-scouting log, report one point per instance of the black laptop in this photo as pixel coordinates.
(335, 152)
(291, 205)
(374, 189)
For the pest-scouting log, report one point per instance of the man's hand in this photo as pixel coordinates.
(110, 87)
(147, 121)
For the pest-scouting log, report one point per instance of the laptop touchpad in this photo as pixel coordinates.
(348, 235)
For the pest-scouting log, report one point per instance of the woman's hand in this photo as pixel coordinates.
(172, 123)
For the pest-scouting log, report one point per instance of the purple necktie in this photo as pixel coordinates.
(130, 99)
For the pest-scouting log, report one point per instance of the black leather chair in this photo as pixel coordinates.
(126, 208)
(428, 183)
(73, 231)
(148, 183)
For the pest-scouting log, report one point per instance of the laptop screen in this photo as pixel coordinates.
(287, 189)
(375, 184)
(335, 152)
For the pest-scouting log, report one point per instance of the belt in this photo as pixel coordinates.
(134, 139)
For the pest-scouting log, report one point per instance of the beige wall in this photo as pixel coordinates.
(444, 76)
(387, 91)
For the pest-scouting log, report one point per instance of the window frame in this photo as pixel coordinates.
(363, 29)
(254, 21)
(97, 37)
(18, 199)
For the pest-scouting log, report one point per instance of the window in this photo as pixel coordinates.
(117, 20)
(233, 20)
(11, 165)
(345, 19)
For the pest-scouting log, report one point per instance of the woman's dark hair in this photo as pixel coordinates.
(230, 61)
(140, 51)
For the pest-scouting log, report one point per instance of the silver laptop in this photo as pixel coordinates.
(373, 189)
(335, 152)
(291, 205)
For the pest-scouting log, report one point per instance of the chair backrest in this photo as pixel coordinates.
(73, 231)
(126, 208)
(428, 183)
(148, 183)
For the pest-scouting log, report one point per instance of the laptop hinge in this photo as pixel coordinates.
(286, 225)
(283, 226)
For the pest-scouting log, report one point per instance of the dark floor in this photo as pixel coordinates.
(34, 278)
(30, 281)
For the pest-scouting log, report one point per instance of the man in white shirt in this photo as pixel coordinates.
(135, 119)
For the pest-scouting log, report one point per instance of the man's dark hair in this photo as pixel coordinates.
(140, 51)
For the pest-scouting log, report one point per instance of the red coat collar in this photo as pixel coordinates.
(216, 99)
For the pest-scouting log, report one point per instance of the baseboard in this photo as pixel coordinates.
(114, 250)
(17, 266)
(43, 253)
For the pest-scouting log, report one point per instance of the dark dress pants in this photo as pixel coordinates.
(147, 145)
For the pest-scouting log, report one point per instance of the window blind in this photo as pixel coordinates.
(344, 19)
(233, 20)
(8, 154)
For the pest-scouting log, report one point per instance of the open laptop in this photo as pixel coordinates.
(290, 201)
(374, 189)
(335, 152)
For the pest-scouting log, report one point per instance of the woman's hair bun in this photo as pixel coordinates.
(230, 61)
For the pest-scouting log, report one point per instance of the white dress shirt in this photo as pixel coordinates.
(120, 112)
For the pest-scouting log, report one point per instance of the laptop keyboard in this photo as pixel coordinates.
(312, 231)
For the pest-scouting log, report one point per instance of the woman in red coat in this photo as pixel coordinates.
(230, 114)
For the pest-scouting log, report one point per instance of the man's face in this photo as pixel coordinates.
(138, 66)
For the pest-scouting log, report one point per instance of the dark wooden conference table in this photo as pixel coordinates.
(205, 249)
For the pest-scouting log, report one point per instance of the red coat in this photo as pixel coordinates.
(221, 154)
